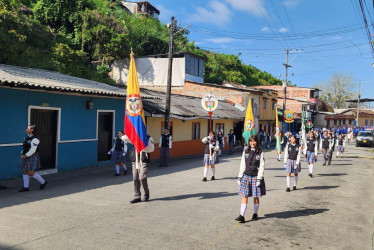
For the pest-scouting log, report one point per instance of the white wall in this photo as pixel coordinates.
(151, 71)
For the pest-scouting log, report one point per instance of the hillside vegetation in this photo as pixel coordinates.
(82, 37)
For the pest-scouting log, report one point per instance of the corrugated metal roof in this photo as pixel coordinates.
(189, 107)
(49, 80)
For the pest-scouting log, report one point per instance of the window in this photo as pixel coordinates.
(366, 122)
(220, 127)
(350, 122)
(264, 104)
(335, 122)
(171, 128)
(273, 106)
(371, 122)
(195, 130)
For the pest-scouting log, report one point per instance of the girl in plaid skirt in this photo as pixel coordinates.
(30, 160)
(251, 178)
(118, 153)
(292, 160)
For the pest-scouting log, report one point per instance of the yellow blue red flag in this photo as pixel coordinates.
(135, 128)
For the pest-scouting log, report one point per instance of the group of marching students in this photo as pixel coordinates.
(251, 172)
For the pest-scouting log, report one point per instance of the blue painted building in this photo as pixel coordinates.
(77, 118)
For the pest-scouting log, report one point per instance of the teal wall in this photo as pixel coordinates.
(77, 123)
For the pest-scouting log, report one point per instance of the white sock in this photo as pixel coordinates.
(205, 171)
(255, 208)
(243, 207)
(279, 156)
(288, 181)
(296, 179)
(117, 169)
(124, 167)
(311, 168)
(26, 180)
(39, 178)
(213, 171)
(337, 154)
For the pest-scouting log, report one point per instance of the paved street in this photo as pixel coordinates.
(90, 209)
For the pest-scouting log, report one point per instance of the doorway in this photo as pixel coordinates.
(105, 134)
(46, 122)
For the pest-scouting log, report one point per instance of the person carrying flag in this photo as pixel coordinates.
(136, 133)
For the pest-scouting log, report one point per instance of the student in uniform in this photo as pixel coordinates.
(221, 142)
(118, 153)
(140, 168)
(341, 144)
(251, 178)
(311, 151)
(231, 140)
(292, 155)
(30, 160)
(165, 146)
(268, 140)
(211, 148)
(325, 147)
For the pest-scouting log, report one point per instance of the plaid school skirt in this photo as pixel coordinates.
(30, 163)
(310, 156)
(207, 160)
(340, 148)
(291, 167)
(248, 187)
(117, 156)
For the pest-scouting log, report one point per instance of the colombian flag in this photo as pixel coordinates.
(134, 118)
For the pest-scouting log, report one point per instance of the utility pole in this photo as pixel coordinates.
(286, 65)
(170, 70)
(358, 101)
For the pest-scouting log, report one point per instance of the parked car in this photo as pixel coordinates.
(365, 138)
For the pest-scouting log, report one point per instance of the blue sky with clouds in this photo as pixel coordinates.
(329, 35)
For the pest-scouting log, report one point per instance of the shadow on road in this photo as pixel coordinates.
(296, 213)
(336, 174)
(320, 187)
(81, 180)
(201, 196)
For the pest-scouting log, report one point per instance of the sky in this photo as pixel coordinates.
(325, 37)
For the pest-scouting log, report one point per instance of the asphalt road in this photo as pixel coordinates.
(90, 209)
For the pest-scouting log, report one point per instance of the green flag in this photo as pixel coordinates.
(249, 124)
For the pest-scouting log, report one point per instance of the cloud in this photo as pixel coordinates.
(291, 3)
(265, 29)
(336, 38)
(217, 13)
(283, 29)
(256, 7)
(221, 40)
(165, 14)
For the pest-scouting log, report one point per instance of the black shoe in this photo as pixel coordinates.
(254, 217)
(310, 175)
(42, 186)
(146, 197)
(116, 174)
(212, 179)
(160, 166)
(294, 187)
(204, 179)
(24, 189)
(136, 200)
(278, 159)
(165, 166)
(288, 190)
(124, 172)
(324, 164)
(240, 218)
